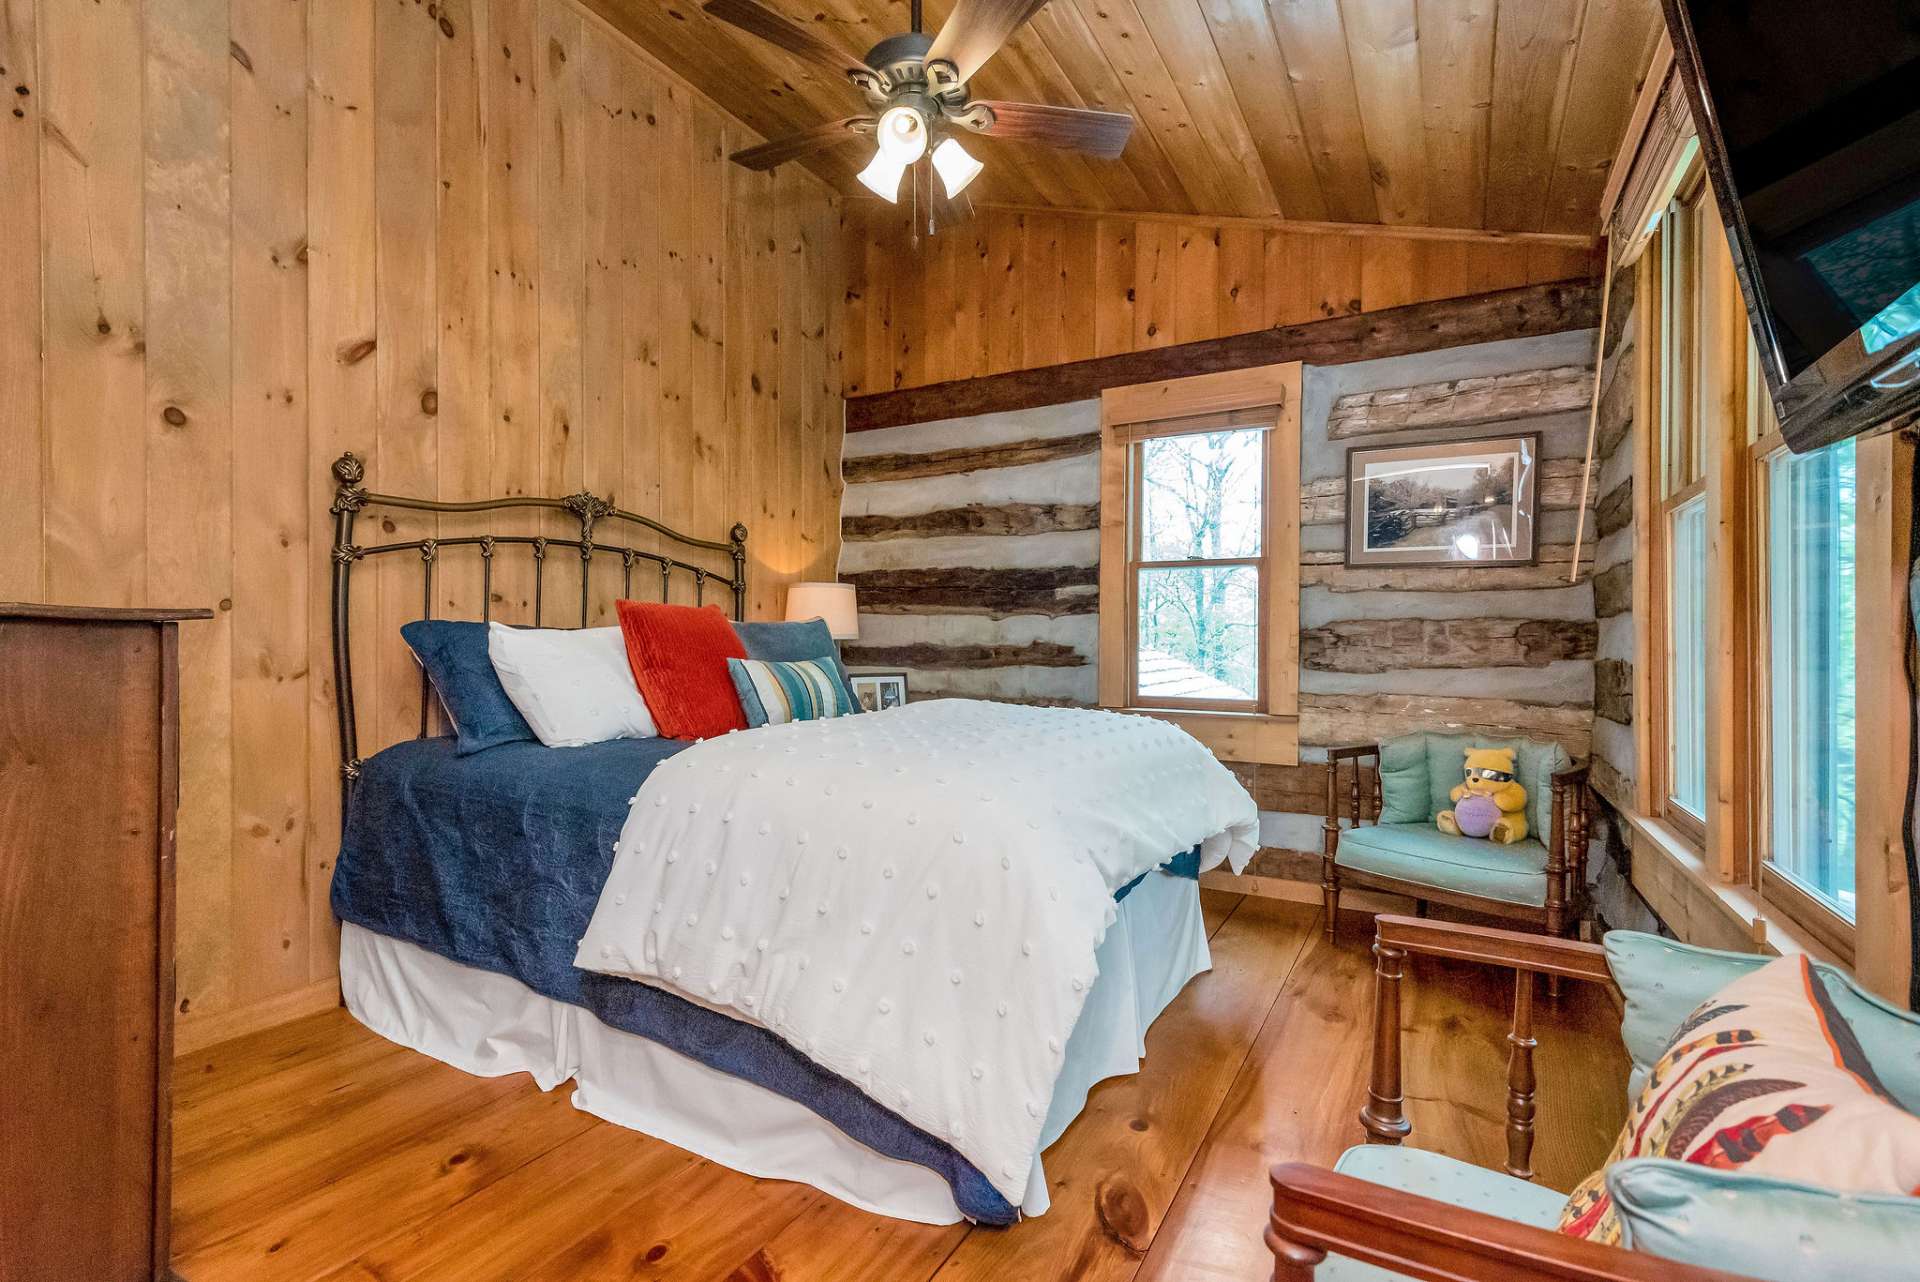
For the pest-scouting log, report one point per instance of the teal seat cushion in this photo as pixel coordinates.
(1764, 1228)
(1418, 773)
(1421, 853)
(1664, 981)
(1456, 1183)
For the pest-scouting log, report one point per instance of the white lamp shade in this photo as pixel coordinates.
(837, 603)
(882, 177)
(955, 166)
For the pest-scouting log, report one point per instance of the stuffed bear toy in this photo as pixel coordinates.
(1489, 804)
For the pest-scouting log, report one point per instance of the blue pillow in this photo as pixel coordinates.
(792, 642)
(455, 657)
(1761, 1227)
(773, 693)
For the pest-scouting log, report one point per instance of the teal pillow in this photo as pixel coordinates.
(1764, 1228)
(1664, 981)
(1404, 790)
(1534, 764)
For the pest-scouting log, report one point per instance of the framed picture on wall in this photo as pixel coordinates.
(1447, 503)
(879, 690)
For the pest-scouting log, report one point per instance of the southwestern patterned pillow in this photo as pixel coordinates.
(1763, 1078)
(773, 693)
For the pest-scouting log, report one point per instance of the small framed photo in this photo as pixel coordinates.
(1448, 503)
(879, 690)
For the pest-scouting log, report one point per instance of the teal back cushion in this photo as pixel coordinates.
(1763, 1228)
(1664, 981)
(1418, 773)
(1405, 795)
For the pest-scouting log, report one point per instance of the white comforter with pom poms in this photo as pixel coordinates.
(912, 897)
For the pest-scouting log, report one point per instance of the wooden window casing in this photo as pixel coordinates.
(1675, 346)
(1708, 434)
(1265, 728)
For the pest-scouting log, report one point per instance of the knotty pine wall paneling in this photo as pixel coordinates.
(1024, 290)
(489, 246)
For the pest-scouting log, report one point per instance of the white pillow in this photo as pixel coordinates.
(572, 685)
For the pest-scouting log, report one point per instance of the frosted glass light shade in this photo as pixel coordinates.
(901, 134)
(837, 603)
(882, 177)
(955, 166)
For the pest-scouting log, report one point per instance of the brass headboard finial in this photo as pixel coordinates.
(348, 472)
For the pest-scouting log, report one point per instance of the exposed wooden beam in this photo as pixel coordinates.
(1307, 226)
(1526, 312)
(974, 518)
(907, 467)
(1462, 402)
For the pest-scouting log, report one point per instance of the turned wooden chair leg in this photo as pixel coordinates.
(1520, 1079)
(1329, 847)
(1292, 1261)
(1384, 1114)
(1330, 896)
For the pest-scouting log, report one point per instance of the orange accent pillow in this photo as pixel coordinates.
(1765, 1078)
(679, 655)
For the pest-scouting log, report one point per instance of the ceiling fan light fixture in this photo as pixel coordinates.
(902, 134)
(882, 176)
(956, 167)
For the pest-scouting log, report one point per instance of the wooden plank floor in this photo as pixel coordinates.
(318, 1151)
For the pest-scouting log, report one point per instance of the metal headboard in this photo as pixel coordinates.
(350, 499)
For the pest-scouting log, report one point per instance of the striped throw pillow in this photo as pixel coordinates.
(774, 693)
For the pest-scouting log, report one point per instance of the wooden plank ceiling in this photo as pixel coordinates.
(1488, 114)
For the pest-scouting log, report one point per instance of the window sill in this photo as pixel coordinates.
(1745, 913)
(1257, 738)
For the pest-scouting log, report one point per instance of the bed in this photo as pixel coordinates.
(529, 909)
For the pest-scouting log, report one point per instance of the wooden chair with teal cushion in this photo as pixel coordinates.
(1386, 1213)
(1391, 793)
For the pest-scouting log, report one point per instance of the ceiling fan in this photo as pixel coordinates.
(916, 90)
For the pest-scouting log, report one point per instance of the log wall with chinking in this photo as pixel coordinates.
(489, 246)
(1612, 535)
(975, 546)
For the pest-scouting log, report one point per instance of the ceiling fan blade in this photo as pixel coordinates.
(781, 150)
(1098, 133)
(778, 29)
(976, 29)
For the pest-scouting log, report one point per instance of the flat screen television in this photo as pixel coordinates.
(1809, 120)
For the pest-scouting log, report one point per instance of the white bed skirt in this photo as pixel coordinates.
(491, 1025)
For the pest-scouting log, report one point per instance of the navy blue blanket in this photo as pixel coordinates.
(496, 860)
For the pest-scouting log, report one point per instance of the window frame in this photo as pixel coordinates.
(1778, 891)
(1676, 457)
(1709, 432)
(1137, 438)
(1265, 730)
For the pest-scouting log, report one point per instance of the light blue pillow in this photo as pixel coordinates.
(1765, 1228)
(1664, 981)
(772, 694)
(1405, 793)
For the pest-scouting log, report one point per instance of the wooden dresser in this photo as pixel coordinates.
(89, 781)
